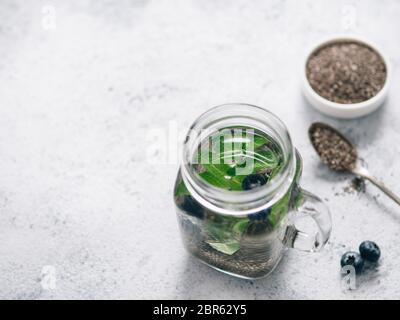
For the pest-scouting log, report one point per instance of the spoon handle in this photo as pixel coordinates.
(380, 185)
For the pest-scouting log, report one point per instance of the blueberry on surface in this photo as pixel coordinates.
(354, 259)
(370, 251)
(253, 180)
(192, 207)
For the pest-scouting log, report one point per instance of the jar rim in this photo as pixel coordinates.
(238, 202)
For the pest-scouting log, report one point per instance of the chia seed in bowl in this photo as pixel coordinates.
(346, 72)
(346, 77)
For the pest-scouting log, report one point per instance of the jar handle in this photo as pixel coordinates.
(311, 205)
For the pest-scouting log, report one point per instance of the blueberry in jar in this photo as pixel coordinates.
(253, 180)
(258, 222)
(370, 251)
(354, 259)
(192, 207)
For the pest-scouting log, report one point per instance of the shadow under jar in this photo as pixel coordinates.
(237, 193)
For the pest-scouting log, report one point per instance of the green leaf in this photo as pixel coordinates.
(181, 190)
(215, 175)
(218, 231)
(217, 169)
(240, 227)
(259, 141)
(267, 157)
(279, 210)
(248, 139)
(228, 248)
(225, 232)
(214, 180)
(275, 171)
(223, 172)
(299, 200)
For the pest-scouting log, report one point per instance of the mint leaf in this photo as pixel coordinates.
(181, 190)
(230, 152)
(215, 174)
(219, 232)
(240, 227)
(228, 248)
(267, 157)
(259, 141)
(299, 200)
(214, 180)
(279, 210)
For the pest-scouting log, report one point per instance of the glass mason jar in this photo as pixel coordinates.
(245, 233)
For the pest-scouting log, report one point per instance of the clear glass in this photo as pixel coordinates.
(244, 233)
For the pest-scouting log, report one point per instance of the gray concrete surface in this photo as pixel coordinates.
(80, 202)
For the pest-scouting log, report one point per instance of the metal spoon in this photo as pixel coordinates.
(356, 167)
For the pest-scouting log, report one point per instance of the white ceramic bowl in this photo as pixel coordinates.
(339, 110)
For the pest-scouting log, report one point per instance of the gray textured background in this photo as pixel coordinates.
(77, 104)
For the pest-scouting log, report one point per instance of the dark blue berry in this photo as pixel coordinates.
(192, 207)
(354, 259)
(253, 180)
(370, 251)
(260, 216)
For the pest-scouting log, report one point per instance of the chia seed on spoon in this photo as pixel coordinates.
(340, 154)
(333, 148)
